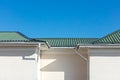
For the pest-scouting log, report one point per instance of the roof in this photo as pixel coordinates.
(13, 37)
(112, 38)
(67, 42)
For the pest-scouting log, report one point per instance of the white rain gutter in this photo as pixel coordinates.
(100, 46)
(18, 44)
(93, 46)
(38, 61)
(81, 55)
(24, 44)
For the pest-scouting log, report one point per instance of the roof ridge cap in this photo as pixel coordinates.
(21, 34)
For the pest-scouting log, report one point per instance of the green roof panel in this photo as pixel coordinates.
(67, 42)
(112, 38)
(12, 37)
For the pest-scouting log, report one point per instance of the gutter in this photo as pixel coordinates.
(81, 55)
(24, 43)
(94, 46)
(41, 41)
(18, 44)
(99, 46)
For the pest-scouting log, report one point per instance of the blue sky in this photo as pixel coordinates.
(60, 18)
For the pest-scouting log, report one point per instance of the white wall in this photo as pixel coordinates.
(104, 64)
(62, 64)
(18, 63)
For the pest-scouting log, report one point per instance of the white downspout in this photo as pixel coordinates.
(38, 61)
(85, 60)
(81, 55)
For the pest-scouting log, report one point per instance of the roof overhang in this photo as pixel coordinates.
(43, 45)
(93, 46)
(99, 46)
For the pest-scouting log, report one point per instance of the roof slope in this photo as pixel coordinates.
(13, 37)
(67, 42)
(112, 38)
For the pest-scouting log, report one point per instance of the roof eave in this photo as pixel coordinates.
(27, 44)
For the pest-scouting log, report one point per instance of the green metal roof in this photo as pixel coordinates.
(112, 38)
(67, 42)
(13, 37)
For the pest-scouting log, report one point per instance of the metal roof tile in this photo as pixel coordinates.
(112, 38)
(12, 37)
(67, 42)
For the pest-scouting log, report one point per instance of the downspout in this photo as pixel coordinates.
(85, 59)
(47, 44)
(38, 61)
(81, 55)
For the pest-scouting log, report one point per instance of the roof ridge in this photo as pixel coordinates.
(26, 37)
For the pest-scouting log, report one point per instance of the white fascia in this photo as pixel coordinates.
(99, 46)
(95, 46)
(63, 47)
(32, 44)
(18, 44)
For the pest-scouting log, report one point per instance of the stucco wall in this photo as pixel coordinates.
(17, 63)
(62, 64)
(104, 64)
